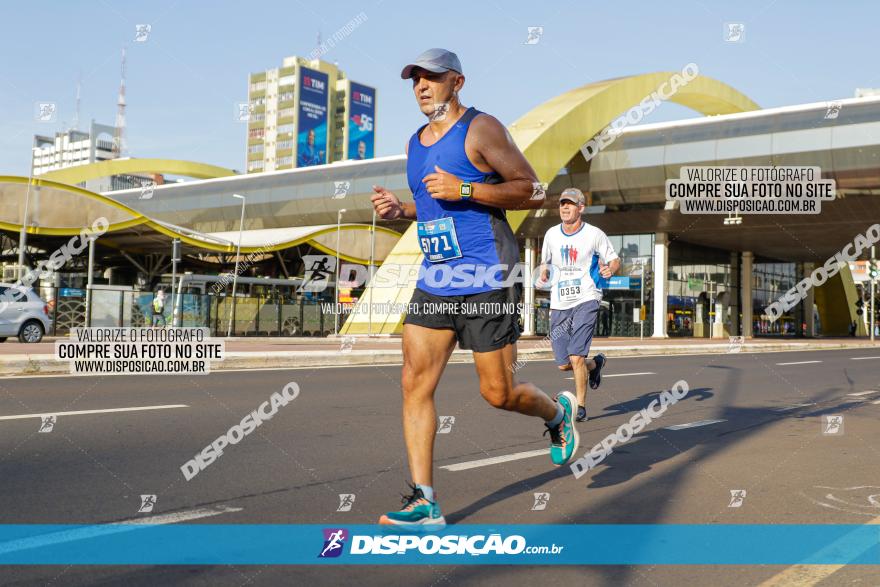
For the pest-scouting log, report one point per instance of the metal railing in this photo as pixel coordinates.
(254, 315)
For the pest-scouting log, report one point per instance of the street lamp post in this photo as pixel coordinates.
(175, 258)
(873, 279)
(641, 301)
(336, 301)
(372, 264)
(22, 238)
(237, 255)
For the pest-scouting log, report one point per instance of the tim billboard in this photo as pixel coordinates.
(361, 121)
(311, 138)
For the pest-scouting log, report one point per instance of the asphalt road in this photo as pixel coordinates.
(342, 435)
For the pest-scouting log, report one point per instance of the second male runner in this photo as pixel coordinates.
(584, 260)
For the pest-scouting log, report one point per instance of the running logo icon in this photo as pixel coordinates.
(245, 110)
(334, 541)
(142, 32)
(534, 35)
(148, 502)
(346, 500)
(736, 343)
(734, 32)
(569, 254)
(47, 424)
(319, 268)
(147, 188)
(441, 109)
(737, 497)
(541, 500)
(832, 425)
(539, 190)
(446, 423)
(340, 189)
(833, 110)
(46, 111)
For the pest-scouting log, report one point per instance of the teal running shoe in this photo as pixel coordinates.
(416, 512)
(564, 437)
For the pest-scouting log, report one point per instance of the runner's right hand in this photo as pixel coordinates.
(386, 204)
(543, 279)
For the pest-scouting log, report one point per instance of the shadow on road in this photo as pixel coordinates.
(642, 402)
(647, 498)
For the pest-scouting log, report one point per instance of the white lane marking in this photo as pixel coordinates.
(113, 528)
(799, 363)
(495, 460)
(623, 374)
(862, 358)
(807, 575)
(693, 424)
(794, 407)
(82, 412)
(219, 372)
(860, 393)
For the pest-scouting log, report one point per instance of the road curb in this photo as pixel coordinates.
(43, 364)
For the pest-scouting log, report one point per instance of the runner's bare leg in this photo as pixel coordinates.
(425, 354)
(581, 367)
(498, 387)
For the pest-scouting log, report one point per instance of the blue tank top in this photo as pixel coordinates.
(483, 234)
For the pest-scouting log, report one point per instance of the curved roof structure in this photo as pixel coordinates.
(277, 199)
(58, 209)
(80, 173)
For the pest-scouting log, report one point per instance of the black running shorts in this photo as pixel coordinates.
(482, 322)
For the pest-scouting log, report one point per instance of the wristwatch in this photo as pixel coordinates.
(465, 190)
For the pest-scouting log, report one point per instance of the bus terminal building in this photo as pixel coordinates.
(708, 275)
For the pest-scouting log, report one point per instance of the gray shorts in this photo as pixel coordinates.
(571, 331)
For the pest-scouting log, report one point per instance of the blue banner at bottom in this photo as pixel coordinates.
(525, 544)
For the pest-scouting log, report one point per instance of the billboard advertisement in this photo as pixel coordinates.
(361, 121)
(311, 136)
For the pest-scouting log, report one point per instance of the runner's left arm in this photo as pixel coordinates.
(519, 190)
(610, 261)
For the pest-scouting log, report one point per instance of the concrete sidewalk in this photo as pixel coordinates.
(261, 353)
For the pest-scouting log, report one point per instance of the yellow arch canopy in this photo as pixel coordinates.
(58, 209)
(550, 136)
(80, 173)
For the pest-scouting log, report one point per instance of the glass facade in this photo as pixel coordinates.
(769, 282)
(703, 295)
(701, 290)
(616, 313)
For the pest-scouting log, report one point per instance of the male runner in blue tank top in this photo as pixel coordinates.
(464, 170)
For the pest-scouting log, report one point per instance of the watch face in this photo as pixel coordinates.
(465, 189)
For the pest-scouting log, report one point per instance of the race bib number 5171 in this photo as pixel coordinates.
(438, 240)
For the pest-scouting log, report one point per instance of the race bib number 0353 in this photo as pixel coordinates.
(570, 290)
(438, 240)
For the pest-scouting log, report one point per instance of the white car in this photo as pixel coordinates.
(22, 313)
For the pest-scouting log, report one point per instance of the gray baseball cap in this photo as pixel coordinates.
(435, 61)
(573, 195)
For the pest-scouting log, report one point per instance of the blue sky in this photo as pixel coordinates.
(183, 83)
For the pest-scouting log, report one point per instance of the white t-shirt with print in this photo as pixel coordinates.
(575, 260)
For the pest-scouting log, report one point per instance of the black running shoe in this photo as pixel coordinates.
(582, 414)
(596, 374)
